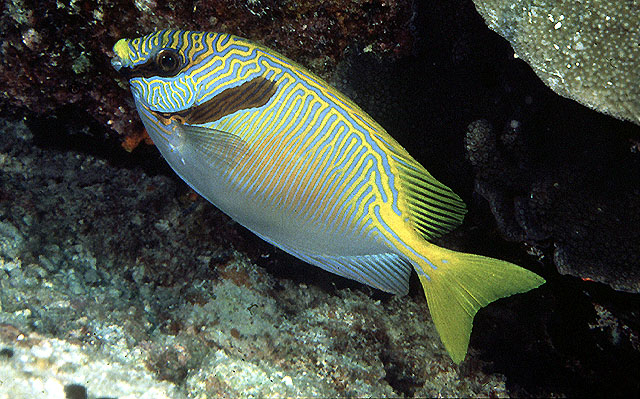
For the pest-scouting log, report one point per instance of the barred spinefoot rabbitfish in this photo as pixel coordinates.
(302, 166)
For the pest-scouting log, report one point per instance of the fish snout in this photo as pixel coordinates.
(121, 61)
(116, 63)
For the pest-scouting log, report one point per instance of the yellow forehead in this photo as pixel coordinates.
(122, 49)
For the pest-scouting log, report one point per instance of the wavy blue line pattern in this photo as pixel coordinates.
(311, 155)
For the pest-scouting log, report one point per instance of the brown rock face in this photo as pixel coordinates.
(55, 55)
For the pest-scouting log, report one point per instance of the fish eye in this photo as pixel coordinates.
(168, 61)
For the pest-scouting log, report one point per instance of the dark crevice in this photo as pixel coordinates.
(70, 128)
(398, 375)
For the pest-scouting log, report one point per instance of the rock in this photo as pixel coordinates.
(11, 241)
(62, 49)
(585, 209)
(588, 51)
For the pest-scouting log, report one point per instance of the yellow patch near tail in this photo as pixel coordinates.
(461, 285)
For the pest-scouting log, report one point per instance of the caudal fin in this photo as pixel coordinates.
(463, 283)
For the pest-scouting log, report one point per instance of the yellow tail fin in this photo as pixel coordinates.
(463, 283)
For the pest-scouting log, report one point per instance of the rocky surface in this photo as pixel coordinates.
(588, 51)
(565, 202)
(62, 48)
(107, 255)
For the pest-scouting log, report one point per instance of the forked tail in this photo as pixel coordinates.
(460, 285)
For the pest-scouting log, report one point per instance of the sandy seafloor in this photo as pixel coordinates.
(81, 316)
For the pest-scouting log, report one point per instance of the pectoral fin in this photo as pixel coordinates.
(218, 148)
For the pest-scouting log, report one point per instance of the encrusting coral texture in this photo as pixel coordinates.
(585, 50)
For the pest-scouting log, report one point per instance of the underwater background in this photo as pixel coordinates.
(117, 280)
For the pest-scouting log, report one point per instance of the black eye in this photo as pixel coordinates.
(168, 61)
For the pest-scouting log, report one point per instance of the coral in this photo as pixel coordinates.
(590, 219)
(588, 51)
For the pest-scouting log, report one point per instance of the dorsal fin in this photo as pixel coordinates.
(433, 208)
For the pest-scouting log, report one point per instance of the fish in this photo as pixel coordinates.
(302, 166)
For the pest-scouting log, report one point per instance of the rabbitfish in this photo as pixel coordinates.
(302, 166)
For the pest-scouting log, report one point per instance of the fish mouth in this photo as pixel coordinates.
(122, 67)
(116, 63)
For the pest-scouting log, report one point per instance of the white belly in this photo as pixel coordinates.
(276, 225)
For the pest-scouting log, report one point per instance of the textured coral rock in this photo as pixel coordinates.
(54, 56)
(588, 50)
(564, 200)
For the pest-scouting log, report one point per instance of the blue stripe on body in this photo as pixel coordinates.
(204, 47)
(389, 231)
(339, 188)
(364, 229)
(252, 190)
(327, 161)
(268, 116)
(204, 75)
(289, 189)
(367, 167)
(224, 39)
(190, 43)
(321, 136)
(339, 106)
(281, 63)
(367, 193)
(301, 153)
(283, 91)
(353, 157)
(265, 147)
(296, 128)
(356, 203)
(222, 83)
(248, 66)
(286, 174)
(180, 39)
(332, 177)
(351, 163)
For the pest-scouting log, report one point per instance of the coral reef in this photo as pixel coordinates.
(588, 51)
(563, 206)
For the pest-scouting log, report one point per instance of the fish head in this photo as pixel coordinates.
(159, 68)
(168, 71)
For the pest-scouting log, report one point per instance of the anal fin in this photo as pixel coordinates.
(387, 272)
